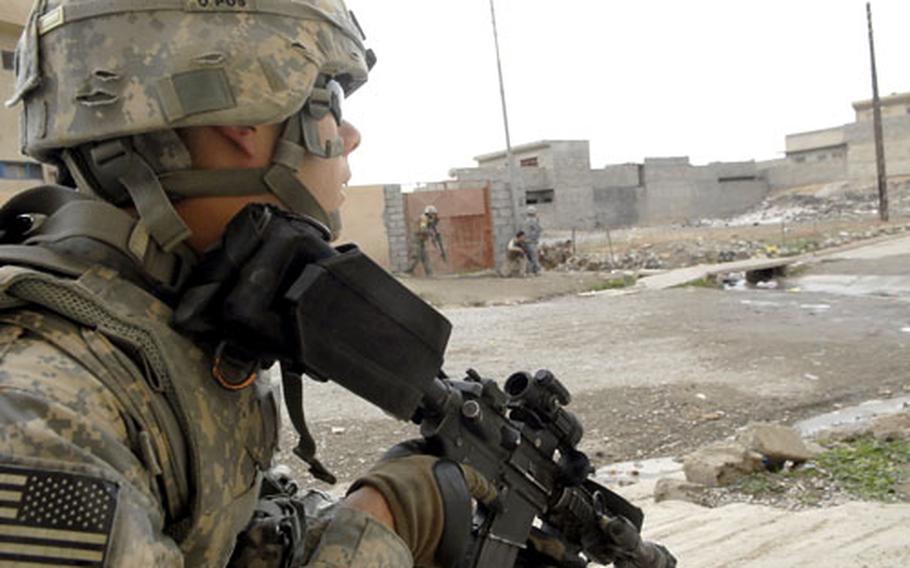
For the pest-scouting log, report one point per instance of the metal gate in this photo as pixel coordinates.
(465, 224)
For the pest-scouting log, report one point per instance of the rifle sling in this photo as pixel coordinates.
(456, 501)
(292, 384)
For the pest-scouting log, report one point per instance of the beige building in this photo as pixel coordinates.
(847, 152)
(895, 104)
(363, 222)
(16, 171)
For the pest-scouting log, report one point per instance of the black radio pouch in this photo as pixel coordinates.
(275, 290)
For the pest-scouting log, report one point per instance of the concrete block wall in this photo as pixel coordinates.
(397, 227)
(531, 179)
(671, 189)
(785, 173)
(571, 174)
(620, 175)
(546, 213)
(733, 170)
(734, 197)
(807, 141)
(618, 206)
(861, 169)
(675, 190)
(501, 213)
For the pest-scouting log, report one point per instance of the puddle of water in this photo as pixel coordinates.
(627, 473)
(853, 415)
(632, 472)
(763, 303)
(850, 285)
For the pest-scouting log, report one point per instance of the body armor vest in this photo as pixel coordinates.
(208, 463)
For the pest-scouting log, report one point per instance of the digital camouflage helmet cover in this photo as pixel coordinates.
(104, 85)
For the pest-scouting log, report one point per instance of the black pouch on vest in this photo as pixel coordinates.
(275, 290)
(356, 325)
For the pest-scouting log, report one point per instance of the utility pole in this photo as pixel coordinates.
(513, 177)
(877, 125)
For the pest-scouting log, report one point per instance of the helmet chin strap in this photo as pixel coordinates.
(280, 178)
(122, 172)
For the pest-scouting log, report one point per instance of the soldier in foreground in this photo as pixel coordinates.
(169, 121)
(131, 432)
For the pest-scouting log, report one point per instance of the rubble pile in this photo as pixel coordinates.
(832, 201)
(554, 255)
(795, 212)
(771, 464)
(559, 256)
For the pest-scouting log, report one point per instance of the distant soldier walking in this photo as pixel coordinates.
(532, 230)
(427, 229)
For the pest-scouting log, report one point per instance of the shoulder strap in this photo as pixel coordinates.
(107, 364)
(57, 229)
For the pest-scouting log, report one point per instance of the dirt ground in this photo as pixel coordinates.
(488, 290)
(654, 373)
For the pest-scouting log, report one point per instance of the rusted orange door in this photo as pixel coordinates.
(464, 223)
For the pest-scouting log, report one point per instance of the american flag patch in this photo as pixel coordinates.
(54, 519)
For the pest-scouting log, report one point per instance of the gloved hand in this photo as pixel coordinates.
(411, 486)
(630, 551)
(615, 541)
(548, 551)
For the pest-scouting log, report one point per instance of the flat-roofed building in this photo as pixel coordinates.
(895, 104)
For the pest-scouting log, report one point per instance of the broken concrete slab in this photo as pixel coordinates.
(753, 536)
(721, 464)
(777, 443)
(892, 428)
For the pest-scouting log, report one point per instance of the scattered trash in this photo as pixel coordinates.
(768, 285)
(337, 430)
(759, 303)
(811, 377)
(713, 416)
(841, 201)
(701, 396)
(815, 307)
(905, 329)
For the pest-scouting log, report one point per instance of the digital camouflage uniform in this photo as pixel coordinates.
(532, 230)
(516, 259)
(420, 251)
(117, 446)
(150, 433)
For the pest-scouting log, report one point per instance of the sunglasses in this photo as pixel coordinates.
(327, 97)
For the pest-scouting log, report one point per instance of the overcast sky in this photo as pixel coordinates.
(711, 79)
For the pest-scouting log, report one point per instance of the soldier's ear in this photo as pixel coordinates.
(242, 137)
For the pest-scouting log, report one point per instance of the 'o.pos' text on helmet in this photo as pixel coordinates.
(104, 84)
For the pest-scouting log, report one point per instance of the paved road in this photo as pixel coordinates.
(881, 271)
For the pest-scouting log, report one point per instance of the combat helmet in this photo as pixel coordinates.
(104, 85)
